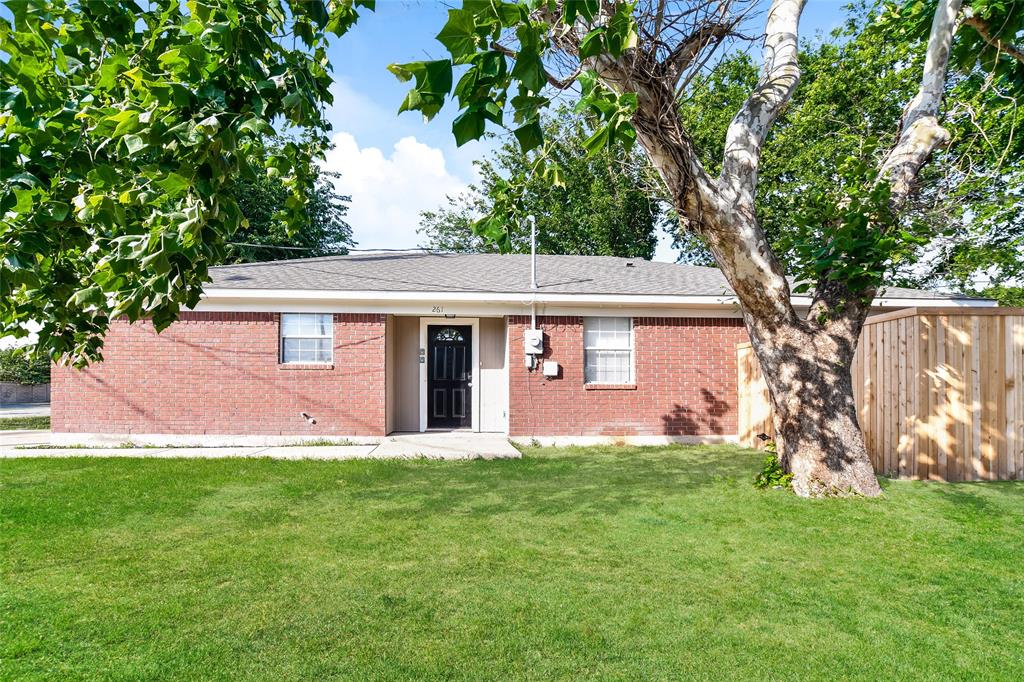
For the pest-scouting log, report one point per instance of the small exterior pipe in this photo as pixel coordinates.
(533, 251)
(533, 269)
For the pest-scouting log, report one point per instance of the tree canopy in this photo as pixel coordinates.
(264, 236)
(125, 129)
(604, 204)
(24, 366)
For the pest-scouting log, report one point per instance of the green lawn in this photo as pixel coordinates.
(630, 563)
(12, 423)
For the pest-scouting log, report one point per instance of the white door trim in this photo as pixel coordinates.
(473, 322)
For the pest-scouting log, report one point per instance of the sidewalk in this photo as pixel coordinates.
(25, 410)
(446, 446)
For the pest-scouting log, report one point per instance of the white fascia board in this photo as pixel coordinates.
(448, 308)
(934, 303)
(229, 296)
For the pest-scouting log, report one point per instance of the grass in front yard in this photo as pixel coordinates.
(627, 563)
(14, 423)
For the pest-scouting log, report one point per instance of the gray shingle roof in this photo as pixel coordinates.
(488, 273)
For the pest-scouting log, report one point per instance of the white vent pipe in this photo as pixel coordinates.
(533, 268)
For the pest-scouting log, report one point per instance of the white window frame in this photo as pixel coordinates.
(632, 351)
(329, 336)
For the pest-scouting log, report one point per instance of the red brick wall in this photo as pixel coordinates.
(219, 373)
(685, 381)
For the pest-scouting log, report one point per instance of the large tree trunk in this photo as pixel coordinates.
(807, 364)
(819, 440)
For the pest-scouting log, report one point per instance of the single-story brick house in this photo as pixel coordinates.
(366, 345)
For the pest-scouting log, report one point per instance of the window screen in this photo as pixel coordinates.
(306, 337)
(608, 350)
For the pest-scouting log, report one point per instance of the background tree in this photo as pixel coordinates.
(124, 131)
(632, 63)
(976, 194)
(603, 204)
(848, 106)
(264, 236)
(24, 365)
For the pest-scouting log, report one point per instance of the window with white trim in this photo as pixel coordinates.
(608, 350)
(306, 337)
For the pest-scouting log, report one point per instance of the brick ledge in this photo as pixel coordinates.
(609, 387)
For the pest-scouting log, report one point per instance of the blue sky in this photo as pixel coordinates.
(395, 166)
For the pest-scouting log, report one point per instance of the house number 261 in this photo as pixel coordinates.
(437, 309)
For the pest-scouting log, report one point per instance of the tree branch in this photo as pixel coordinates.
(920, 132)
(686, 51)
(920, 135)
(725, 219)
(559, 83)
(779, 78)
(659, 19)
(985, 31)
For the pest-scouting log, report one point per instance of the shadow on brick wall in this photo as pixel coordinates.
(705, 420)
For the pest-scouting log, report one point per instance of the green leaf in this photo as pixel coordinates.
(433, 83)
(554, 175)
(492, 64)
(493, 229)
(56, 210)
(529, 69)
(24, 200)
(134, 144)
(437, 77)
(621, 31)
(173, 184)
(256, 125)
(27, 179)
(530, 136)
(212, 123)
(583, 8)
(592, 43)
(459, 34)
(469, 125)
(403, 72)
(127, 121)
(171, 58)
(598, 141)
(88, 296)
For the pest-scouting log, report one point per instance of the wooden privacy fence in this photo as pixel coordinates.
(939, 391)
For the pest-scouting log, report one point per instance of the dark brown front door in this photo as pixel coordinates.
(449, 377)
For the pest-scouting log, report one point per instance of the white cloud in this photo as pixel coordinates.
(388, 192)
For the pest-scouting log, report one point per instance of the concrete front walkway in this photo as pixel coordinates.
(447, 445)
(459, 445)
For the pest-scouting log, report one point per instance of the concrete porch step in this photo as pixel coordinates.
(448, 445)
